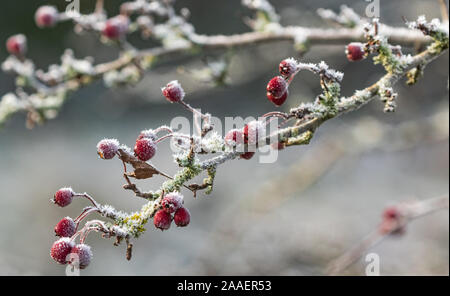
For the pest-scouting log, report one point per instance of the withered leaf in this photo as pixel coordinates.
(142, 170)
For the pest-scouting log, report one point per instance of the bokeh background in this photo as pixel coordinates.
(291, 217)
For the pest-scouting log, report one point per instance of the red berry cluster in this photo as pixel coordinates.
(172, 203)
(144, 149)
(64, 250)
(249, 135)
(277, 88)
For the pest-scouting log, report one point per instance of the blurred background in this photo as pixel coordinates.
(291, 217)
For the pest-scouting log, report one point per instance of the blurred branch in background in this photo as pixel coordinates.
(395, 219)
(365, 135)
(48, 90)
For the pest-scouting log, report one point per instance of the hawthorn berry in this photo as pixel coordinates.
(80, 256)
(60, 249)
(17, 45)
(144, 149)
(162, 220)
(172, 202)
(182, 217)
(253, 131)
(234, 137)
(355, 51)
(116, 27)
(247, 155)
(173, 91)
(63, 197)
(66, 227)
(288, 67)
(46, 16)
(278, 101)
(107, 148)
(277, 87)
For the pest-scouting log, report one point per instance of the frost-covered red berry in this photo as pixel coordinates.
(144, 149)
(278, 101)
(149, 134)
(173, 91)
(63, 197)
(172, 202)
(46, 16)
(277, 87)
(162, 220)
(253, 131)
(116, 27)
(288, 67)
(17, 45)
(182, 217)
(234, 137)
(247, 155)
(355, 51)
(107, 148)
(81, 256)
(66, 227)
(60, 249)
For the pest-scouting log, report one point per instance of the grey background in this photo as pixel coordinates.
(229, 233)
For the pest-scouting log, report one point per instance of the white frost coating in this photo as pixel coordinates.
(8, 105)
(119, 231)
(213, 142)
(148, 133)
(322, 68)
(435, 25)
(69, 62)
(273, 28)
(262, 5)
(363, 93)
(292, 62)
(360, 96)
(256, 130)
(157, 8)
(13, 64)
(126, 75)
(182, 158)
(169, 35)
(125, 148)
(49, 102)
(347, 15)
(110, 211)
(406, 59)
(109, 142)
